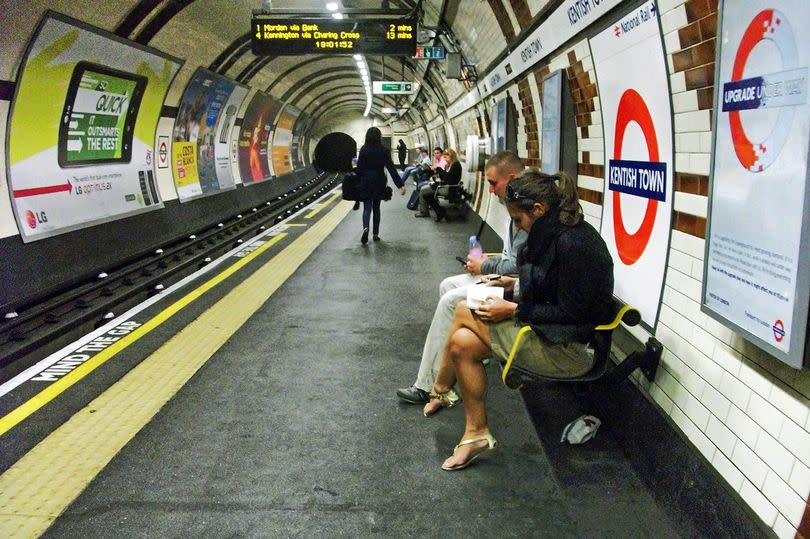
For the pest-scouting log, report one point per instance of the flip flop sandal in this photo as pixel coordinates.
(492, 443)
(448, 399)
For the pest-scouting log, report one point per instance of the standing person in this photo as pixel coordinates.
(402, 153)
(449, 176)
(499, 171)
(374, 158)
(566, 286)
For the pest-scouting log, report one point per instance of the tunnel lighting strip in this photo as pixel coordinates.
(362, 66)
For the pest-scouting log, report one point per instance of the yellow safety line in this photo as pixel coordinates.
(45, 396)
(328, 201)
(38, 488)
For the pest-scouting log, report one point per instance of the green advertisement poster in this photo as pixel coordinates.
(81, 128)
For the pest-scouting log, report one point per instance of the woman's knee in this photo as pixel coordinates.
(465, 345)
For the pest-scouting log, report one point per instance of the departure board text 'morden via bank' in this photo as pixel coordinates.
(325, 36)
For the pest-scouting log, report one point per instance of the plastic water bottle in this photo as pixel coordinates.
(475, 249)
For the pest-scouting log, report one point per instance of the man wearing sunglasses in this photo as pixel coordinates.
(499, 171)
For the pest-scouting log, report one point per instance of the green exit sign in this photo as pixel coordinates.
(392, 87)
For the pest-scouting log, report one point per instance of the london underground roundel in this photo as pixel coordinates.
(759, 92)
(639, 178)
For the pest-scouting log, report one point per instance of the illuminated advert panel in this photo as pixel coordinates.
(322, 36)
(755, 274)
(551, 144)
(200, 139)
(254, 138)
(81, 133)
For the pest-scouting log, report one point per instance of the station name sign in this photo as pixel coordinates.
(275, 36)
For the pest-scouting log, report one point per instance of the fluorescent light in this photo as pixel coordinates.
(337, 15)
(332, 6)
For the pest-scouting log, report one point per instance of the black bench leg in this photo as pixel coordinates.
(647, 361)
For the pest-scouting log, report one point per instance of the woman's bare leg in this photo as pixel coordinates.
(467, 344)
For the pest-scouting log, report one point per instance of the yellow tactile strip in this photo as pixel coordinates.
(38, 488)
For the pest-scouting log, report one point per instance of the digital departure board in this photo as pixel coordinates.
(274, 36)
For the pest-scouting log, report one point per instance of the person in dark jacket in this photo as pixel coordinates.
(564, 290)
(402, 153)
(449, 176)
(372, 161)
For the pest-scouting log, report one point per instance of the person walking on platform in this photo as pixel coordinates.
(402, 153)
(451, 175)
(499, 171)
(372, 162)
(565, 289)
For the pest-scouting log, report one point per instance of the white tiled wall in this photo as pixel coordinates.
(747, 413)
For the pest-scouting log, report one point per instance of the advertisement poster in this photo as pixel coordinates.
(551, 135)
(184, 158)
(205, 116)
(296, 146)
(254, 138)
(82, 125)
(282, 139)
(759, 189)
(637, 119)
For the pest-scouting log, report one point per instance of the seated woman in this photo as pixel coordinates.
(451, 175)
(565, 287)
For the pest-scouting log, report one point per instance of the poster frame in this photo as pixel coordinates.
(798, 356)
(224, 120)
(32, 40)
(597, 29)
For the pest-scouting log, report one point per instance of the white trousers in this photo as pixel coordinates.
(452, 290)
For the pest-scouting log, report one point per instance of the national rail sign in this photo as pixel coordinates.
(759, 201)
(637, 208)
(276, 36)
(391, 87)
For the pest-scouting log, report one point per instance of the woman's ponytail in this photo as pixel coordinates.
(570, 208)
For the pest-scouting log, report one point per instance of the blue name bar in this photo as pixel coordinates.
(643, 179)
(743, 94)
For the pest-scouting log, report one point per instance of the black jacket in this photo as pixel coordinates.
(566, 289)
(371, 165)
(451, 176)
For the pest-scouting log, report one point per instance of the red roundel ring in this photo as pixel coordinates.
(768, 24)
(632, 108)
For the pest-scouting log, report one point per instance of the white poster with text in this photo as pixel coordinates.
(758, 199)
(633, 87)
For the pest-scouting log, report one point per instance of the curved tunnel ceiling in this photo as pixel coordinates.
(219, 41)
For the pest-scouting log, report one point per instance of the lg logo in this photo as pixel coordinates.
(35, 218)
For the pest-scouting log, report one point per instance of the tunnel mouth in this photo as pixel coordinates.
(334, 152)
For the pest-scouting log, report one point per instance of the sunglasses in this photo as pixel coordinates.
(513, 195)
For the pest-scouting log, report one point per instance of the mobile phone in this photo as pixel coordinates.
(462, 260)
(98, 118)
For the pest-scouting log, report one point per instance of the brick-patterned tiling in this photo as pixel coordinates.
(531, 131)
(522, 13)
(695, 184)
(502, 17)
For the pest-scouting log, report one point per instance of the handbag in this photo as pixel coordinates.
(353, 187)
(388, 193)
